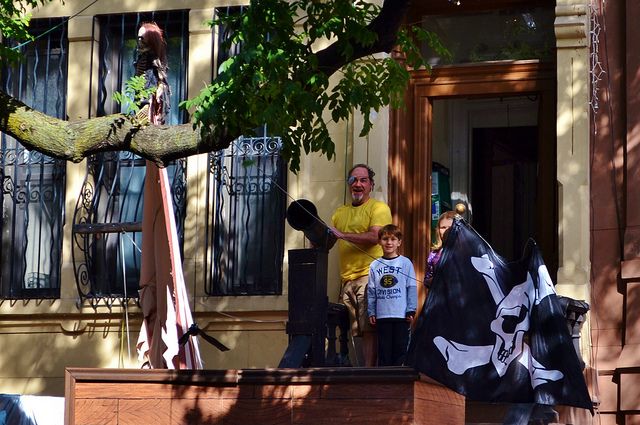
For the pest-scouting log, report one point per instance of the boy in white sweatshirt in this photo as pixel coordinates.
(391, 297)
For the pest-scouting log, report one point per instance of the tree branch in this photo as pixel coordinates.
(385, 25)
(74, 141)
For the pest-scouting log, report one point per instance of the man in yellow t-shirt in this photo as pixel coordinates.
(356, 227)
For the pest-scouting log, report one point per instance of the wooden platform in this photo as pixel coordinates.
(259, 396)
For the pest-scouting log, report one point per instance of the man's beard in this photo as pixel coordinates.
(357, 197)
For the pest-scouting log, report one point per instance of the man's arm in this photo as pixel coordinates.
(367, 238)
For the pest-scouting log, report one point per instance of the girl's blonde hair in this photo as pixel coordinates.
(437, 243)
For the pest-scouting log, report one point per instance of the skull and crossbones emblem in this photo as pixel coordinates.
(511, 322)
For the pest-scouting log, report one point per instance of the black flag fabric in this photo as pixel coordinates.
(494, 331)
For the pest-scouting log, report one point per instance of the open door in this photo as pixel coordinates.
(493, 126)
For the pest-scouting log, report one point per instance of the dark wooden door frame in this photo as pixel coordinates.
(410, 140)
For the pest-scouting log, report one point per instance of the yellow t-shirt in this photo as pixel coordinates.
(354, 263)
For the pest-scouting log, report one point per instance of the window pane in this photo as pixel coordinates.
(246, 202)
(514, 34)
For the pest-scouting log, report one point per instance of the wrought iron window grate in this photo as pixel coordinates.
(222, 53)
(32, 183)
(245, 205)
(245, 218)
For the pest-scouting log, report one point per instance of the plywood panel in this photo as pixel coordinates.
(200, 392)
(438, 405)
(268, 397)
(264, 412)
(630, 391)
(207, 411)
(103, 390)
(306, 391)
(357, 390)
(273, 391)
(144, 411)
(96, 412)
(438, 394)
(353, 411)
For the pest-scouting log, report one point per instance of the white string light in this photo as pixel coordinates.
(596, 70)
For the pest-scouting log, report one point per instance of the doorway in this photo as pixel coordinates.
(490, 148)
(504, 186)
(483, 122)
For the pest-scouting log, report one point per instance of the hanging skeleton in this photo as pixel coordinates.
(151, 62)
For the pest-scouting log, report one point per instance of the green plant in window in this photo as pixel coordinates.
(518, 42)
(135, 95)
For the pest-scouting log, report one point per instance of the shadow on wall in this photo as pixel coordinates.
(34, 362)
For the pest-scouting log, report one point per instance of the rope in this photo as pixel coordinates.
(21, 45)
(284, 191)
(126, 303)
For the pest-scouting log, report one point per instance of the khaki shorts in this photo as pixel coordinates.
(354, 296)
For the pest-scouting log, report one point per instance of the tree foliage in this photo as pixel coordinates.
(278, 80)
(135, 93)
(14, 24)
(280, 77)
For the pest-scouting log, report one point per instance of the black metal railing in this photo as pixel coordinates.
(222, 52)
(32, 183)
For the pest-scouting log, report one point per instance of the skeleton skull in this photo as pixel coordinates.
(509, 326)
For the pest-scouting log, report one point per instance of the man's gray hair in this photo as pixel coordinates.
(365, 166)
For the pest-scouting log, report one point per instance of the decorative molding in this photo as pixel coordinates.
(198, 19)
(571, 26)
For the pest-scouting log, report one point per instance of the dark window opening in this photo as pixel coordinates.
(32, 183)
(246, 203)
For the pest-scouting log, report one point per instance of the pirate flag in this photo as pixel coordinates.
(495, 331)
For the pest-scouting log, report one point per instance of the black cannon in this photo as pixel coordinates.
(312, 319)
(303, 215)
